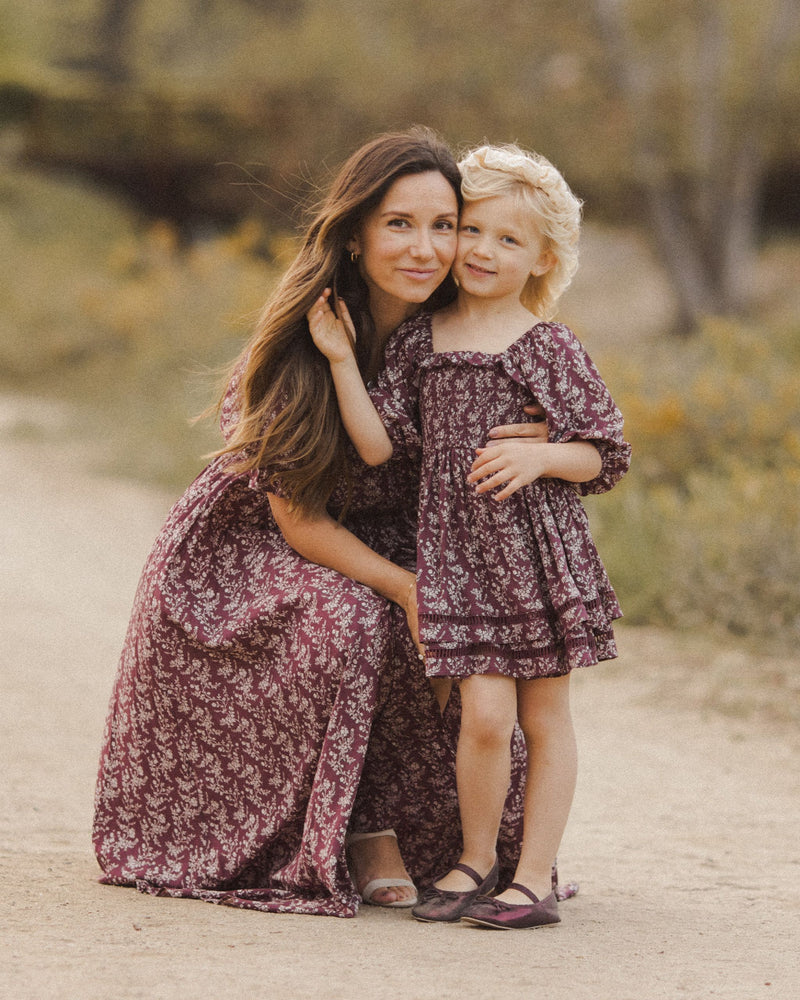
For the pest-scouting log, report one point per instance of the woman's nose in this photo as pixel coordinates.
(422, 245)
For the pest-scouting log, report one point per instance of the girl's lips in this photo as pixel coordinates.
(476, 269)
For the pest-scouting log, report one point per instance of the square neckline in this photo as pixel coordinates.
(482, 354)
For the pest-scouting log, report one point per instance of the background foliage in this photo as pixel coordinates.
(155, 158)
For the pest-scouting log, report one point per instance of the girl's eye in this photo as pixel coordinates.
(509, 239)
(469, 229)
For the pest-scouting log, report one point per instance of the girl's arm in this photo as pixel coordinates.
(512, 464)
(324, 541)
(335, 338)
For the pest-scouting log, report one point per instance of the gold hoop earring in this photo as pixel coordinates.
(354, 255)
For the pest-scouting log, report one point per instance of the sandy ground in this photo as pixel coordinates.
(684, 834)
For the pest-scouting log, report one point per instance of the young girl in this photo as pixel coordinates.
(511, 591)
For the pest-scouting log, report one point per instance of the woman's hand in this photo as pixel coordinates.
(412, 614)
(334, 337)
(535, 430)
(441, 686)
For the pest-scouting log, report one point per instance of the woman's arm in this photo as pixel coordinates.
(513, 464)
(533, 430)
(335, 337)
(324, 541)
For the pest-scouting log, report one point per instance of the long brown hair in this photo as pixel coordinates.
(288, 418)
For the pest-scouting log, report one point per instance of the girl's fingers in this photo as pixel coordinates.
(485, 455)
(484, 465)
(493, 481)
(503, 481)
(507, 490)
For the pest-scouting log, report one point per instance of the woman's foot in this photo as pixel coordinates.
(378, 870)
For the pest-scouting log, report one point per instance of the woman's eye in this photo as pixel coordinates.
(398, 223)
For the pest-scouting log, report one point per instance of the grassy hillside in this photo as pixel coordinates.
(129, 328)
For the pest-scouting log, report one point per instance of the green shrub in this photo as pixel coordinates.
(130, 327)
(122, 320)
(705, 530)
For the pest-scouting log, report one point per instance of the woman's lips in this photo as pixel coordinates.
(418, 274)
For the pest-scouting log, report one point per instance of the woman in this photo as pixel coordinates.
(269, 702)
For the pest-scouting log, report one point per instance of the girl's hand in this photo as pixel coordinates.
(535, 431)
(510, 464)
(334, 337)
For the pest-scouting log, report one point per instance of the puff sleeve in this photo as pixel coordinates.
(395, 392)
(578, 405)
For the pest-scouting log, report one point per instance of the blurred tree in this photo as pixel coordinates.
(700, 91)
(205, 111)
(97, 40)
(113, 37)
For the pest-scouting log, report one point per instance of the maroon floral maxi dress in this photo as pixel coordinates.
(516, 587)
(265, 706)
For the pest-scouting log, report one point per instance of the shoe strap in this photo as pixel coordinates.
(525, 891)
(476, 878)
(356, 838)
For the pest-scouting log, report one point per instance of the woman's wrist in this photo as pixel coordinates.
(402, 589)
(409, 591)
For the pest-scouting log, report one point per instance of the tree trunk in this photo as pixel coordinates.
(113, 36)
(704, 212)
(748, 158)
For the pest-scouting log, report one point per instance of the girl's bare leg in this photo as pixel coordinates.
(483, 769)
(546, 721)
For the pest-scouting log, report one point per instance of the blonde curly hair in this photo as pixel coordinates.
(489, 171)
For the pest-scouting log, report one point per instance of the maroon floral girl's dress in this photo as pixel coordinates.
(516, 587)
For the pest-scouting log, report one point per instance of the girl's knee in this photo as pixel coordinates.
(544, 706)
(489, 710)
(488, 731)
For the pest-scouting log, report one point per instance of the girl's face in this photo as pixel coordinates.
(407, 242)
(499, 247)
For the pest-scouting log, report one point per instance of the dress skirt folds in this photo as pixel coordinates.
(265, 707)
(515, 588)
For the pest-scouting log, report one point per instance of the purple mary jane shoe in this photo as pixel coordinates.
(488, 912)
(446, 906)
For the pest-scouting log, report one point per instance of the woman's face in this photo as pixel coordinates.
(407, 243)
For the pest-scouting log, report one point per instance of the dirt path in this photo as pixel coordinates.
(684, 835)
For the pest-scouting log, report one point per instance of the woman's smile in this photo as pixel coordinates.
(408, 242)
(418, 273)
